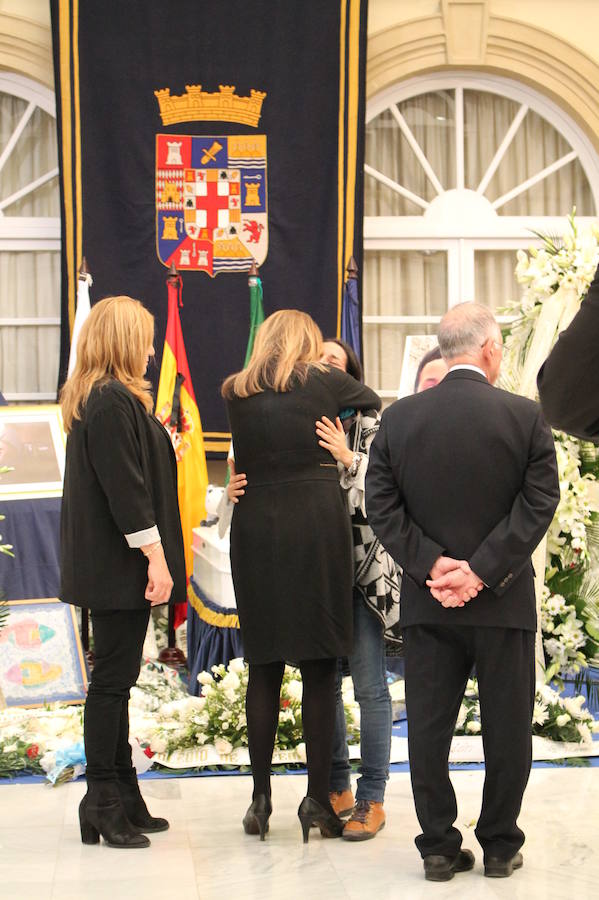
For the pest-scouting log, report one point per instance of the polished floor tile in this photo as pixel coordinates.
(205, 855)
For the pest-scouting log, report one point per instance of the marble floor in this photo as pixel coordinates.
(205, 854)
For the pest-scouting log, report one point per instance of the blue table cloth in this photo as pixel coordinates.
(33, 528)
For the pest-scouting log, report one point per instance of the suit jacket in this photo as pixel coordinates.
(569, 380)
(467, 470)
(120, 478)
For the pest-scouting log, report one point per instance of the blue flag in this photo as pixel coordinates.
(350, 316)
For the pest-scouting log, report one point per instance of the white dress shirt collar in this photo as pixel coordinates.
(467, 366)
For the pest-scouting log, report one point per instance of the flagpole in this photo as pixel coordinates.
(171, 655)
(85, 275)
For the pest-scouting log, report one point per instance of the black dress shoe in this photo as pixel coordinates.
(443, 868)
(502, 868)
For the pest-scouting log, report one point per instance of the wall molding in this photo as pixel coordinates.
(501, 45)
(26, 48)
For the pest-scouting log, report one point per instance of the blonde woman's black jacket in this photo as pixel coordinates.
(120, 485)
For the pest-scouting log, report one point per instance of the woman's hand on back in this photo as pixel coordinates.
(237, 483)
(332, 437)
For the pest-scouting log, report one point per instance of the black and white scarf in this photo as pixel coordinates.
(376, 576)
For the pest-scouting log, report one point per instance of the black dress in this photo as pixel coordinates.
(291, 552)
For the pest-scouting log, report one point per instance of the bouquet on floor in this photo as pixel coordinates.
(218, 717)
(558, 718)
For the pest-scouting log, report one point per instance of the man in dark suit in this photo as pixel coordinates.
(461, 487)
(569, 379)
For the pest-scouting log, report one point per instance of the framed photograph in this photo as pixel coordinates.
(32, 448)
(415, 347)
(41, 657)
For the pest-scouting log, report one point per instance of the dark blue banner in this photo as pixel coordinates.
(208, 136)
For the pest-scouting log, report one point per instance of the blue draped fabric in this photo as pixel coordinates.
(350, 316)
(33, 528)
(212, 635)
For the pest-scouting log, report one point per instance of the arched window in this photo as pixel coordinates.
(29, 241)
(460, 170)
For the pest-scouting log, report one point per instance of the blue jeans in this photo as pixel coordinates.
(367, 667)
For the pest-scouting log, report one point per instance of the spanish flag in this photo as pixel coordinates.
(177, 409)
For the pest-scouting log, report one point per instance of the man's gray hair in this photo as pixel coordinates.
(464, 329)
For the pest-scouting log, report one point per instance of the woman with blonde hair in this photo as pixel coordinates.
(291, 552)
(121, 547)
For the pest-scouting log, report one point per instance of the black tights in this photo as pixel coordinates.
(318, 716)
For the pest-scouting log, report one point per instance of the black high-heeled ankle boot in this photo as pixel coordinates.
(101, 812)
(256, 818)
(135, 806)
(312, 812)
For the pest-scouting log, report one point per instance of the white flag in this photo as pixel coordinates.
(83, 308)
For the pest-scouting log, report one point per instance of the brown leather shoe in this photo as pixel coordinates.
(342, 802)
(367, 819)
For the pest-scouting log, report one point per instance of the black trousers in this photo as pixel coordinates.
(438, 662)
(118, 644)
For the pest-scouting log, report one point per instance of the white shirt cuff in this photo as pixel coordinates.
(140, 538)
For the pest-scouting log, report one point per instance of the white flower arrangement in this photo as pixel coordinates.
(555, 279)
(563, 634)
(555, 717)
(218, 716)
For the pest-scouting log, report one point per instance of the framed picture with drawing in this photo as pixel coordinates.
(32, 452)
(41, 657)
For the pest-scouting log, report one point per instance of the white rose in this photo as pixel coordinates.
(205, 678)
(201, 738)
(237, 665)
(9, 732)
(158, 744)
(222, 746)
(584, 732)
(562, 720)
(231, 681)
(294, 689)
(473, 727)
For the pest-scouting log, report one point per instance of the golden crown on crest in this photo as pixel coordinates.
(223, 106)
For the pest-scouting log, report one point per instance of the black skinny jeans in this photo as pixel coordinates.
(118, 644)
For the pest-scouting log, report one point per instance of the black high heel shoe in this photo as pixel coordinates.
(101, 813)
(256, 818)
(312, 812)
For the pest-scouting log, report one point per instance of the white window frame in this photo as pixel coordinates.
(28, 233)
(461, 221)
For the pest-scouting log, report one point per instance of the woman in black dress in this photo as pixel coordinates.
(291, 551)
(121, 547)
